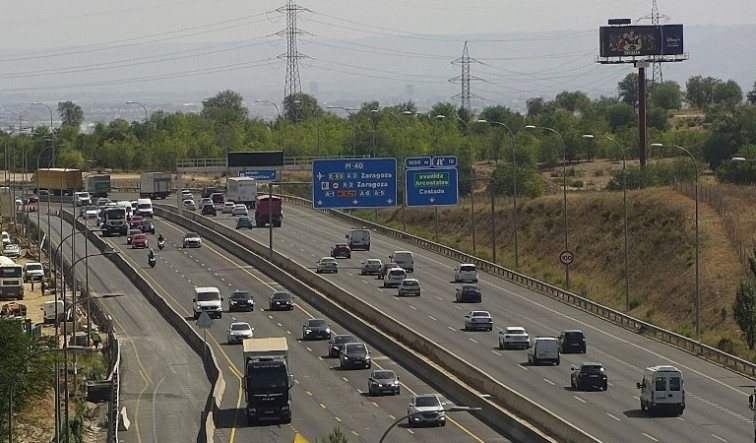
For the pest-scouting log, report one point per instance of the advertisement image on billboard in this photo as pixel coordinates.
(631, 41)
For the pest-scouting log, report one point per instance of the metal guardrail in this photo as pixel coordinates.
(647, 329)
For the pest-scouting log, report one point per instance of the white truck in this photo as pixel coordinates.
(155, 185)
(98, 185)
(359, 238)
(267, 380)
(242, 190)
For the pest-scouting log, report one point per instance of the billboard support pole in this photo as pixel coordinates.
(642, 110)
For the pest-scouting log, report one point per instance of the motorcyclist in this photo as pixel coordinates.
(151, 255)
(160, 238)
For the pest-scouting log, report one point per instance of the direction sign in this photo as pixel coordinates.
(204, 321)
(354, 183)
(431, 187)
(417, 162)
(257, 174)
(445, 161)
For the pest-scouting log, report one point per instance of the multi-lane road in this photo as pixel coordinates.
(324, 397)
(716, 398)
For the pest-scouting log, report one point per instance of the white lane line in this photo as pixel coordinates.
(718, 437)
(412, 307)
(432, 318)
(450, 328)
(473, 340)
(549, 382)
(648, 436)
(578, 399)
(612, 416)
(496, 352)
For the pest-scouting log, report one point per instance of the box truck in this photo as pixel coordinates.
(268, 209)
(98, 185)
(155, 185)
(59, 181)
(242, 190)
(267, 380)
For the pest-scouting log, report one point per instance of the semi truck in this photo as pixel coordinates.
(242, 190)
(267, 209)
(155, 185)
(59, 181)
(98, 185)
(267, 380)
(114, 221)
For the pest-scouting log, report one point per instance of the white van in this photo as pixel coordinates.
(394, 277)
(48, 311)
(359, 239)
(404, 259)
(208, 299)
(544, 350)
(126, 205)
(662, 388)
(144, 207)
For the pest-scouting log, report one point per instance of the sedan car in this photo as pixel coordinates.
(239, 210)
(589, 375)
(130, 235)
(355, 355)
(140, 241)
(281, 301)
(337, 343)
(135, 221)
(383, 381)
(327, 264)
(468, 294)
(228, 207)
(371, 266)
(316, 329)
(238, 331)
(241, 301)
(192, 240)
(147, 226)
(514, 337)
(572, 340)
(11, 250)
(426, 409)
(244, 222)
(478, 321)
(32, 198)
(465, 273)
(209, 209)
(341, 250)
(409, 286)
(189, 205)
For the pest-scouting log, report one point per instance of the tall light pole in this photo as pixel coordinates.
(624, 206)
(36, 176)
(514, 193)
(697, 293)
(406, 416)
(351, 120)
(564, 190)
(278, 111)
(51, 129)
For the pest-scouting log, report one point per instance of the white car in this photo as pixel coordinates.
(91, 214)
(186, 194)
(409, 286)
(240, 210)
(228, 208)
(189, 205)
(33, 271)
(238, 331)
(394, 277)
(327, 264)
(426, 409)
(478, 321)
(11, 250)
(514, 337)
(465, 273)
(192, 240)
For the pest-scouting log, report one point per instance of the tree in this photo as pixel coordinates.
(666, 95)
(576, 101)
(224, 108)
(751, 97)
(744, 308)
(70, 114)
(535, 105)
(699, 90)
(336, 436)
(621, 115)
(727, 93)
(446, 109)
(628, 90)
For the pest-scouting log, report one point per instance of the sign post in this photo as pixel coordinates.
(204, 322)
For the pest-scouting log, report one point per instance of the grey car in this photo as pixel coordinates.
(281, 301)
(383, 381)
(371, 267)
(355, 355)
(316, 329)
(337, 343)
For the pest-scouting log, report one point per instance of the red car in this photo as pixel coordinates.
(140, 241)
(32, 198)
(135, 221)
(341, 250)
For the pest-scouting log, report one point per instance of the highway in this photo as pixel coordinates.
(324, 397)
(716, 398)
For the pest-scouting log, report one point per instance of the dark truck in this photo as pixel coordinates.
(268, 209)
(266, 380)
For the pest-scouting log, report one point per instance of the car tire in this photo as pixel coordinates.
(398, 391)
(605, 386)
(557, 361)
(443, 423)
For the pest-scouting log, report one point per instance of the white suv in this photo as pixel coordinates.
(82, 199)
(465, 273)
(394, 277)
(33, 271)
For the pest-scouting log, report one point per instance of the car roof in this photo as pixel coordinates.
(410, 280)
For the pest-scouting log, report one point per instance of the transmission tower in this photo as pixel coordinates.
(292, 84)
(655, 18)
(465, 79)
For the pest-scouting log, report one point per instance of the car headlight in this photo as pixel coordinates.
(345, 357)
(328, 330)
(307, 331)
(367, 358)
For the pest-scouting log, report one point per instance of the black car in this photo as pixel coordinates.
(355, 355)
(281, 301)
(468, 294)
(241, 301)
(209, 210)
(383, 381)
(589, 375)
(337, 344)
(572, 340)
(316, 329)
(147, 226)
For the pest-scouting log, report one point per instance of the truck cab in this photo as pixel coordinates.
(267, 381)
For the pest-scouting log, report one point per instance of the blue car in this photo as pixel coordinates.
(244, 222)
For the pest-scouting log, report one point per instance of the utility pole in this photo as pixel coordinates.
(292, 85)
(656, 18)
(465, 79)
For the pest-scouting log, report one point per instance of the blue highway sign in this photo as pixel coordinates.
(431, 187)
(417, 162)
(354, 183)
(264, 175)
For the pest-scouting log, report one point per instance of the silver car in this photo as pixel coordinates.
(478, 321)
(409, 286)
(371, 266)
(327, 264)
(426, 409)
(238, 331)
(228, 207)
(240, 210)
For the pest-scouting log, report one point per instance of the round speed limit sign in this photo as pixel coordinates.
(566, 257)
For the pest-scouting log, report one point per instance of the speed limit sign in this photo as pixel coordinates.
(566, 257)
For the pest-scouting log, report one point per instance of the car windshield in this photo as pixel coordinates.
(374, 262)
(384, 375)
(328, 260)
(515, 332)
(240, 327)
(592, 368)
(340, 339)
(427, 401)
(316, 323)
(470, 288)
(240, 295)
(282, 296)
(268, 376)
(409, 283)
(356, 349)
(467, 268)
(33, 267)
(480, 314)
(191, 235)
(143, 205)
(573, 336)
(207, 296)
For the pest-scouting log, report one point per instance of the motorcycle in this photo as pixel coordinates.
(152, 261)
(161, 244)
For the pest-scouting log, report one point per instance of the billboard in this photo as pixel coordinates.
(630, 41)
(255, 158)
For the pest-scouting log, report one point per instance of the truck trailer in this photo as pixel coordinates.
(242, 190)
(98, 185)
(59, 181)
(268, 209)
(155, 185)
(267, 380)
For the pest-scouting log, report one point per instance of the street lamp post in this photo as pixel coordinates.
(564, 191)
(697, 292)
(51, 128)
(406, 416)
(278, 111)
(624, 206)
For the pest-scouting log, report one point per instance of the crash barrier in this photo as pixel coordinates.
(647, 329)
(175, 319)
(443, 369)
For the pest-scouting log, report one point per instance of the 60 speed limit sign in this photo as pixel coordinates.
(566, 257)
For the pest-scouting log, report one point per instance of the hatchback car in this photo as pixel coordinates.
(589, 375)
(130, 235)
(209, 209)
(341, 250)
(192, 240)
(239, 210)
(186, 194)
(327, 264)
(468, 294)
(189, 205)
(228, 207)
(383, 381)
(281, 301)
(478, 321)
(465, 273)
(394, 277)
(572, 340)
(244, 222)
(238, 331)
(426, 409)
(409, 286)
(514, 337)
(337, 343)
(316, 329)
(135, 221)
(355, 355)
(371, 266)
(140, 241)
(241, 301)
(147, 226)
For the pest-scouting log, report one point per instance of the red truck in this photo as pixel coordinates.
(267, 209)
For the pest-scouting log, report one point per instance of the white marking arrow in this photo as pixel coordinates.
(432, 199)
(389, 201)
(320, 202)
(355, 201)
